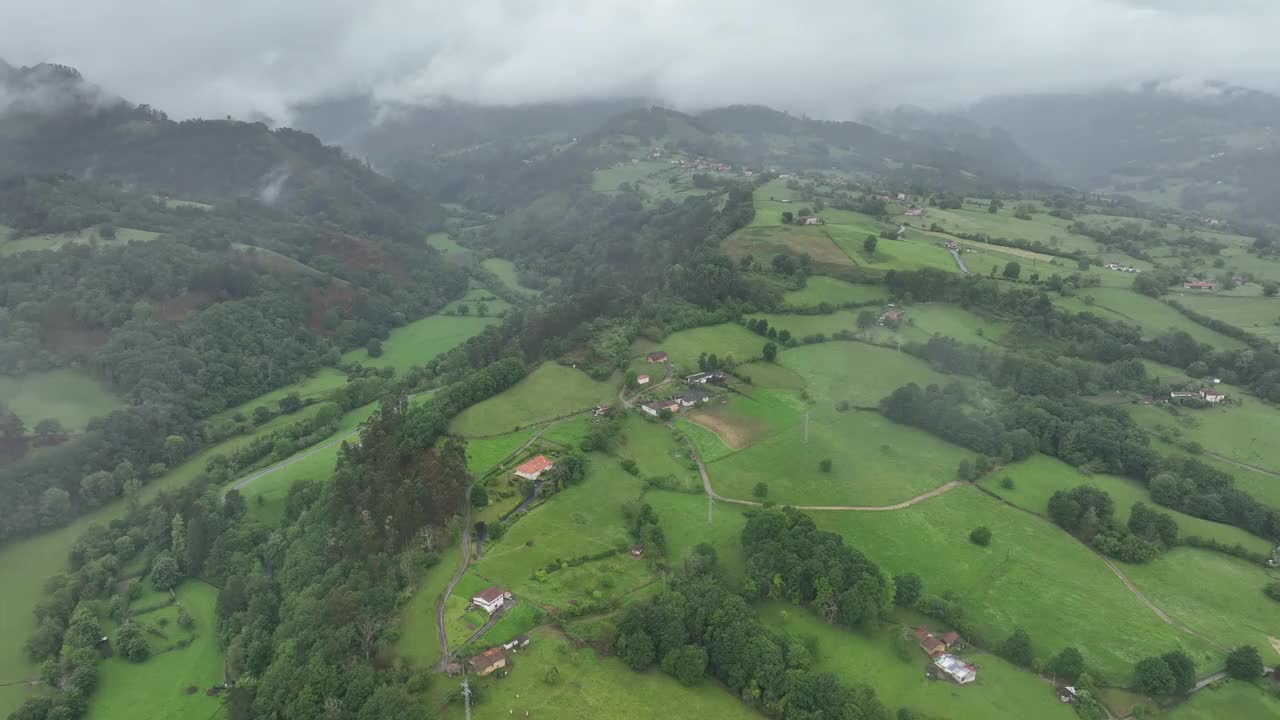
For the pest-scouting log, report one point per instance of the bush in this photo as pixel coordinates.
(1244, 663)
(1017, 649)
(980, 536)
(1007, 483)
(1272, 590)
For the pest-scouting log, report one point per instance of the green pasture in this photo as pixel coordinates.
(801, 325)
(1265, 488)
(156, 689)
(69, 396)
(1243, 431)
(316, 387)
(762, 243)
(506, 272)
(460, 623)
(1002, 691)
(592, 687)
(1258, 315)
(548, 392)
(1230, 701)
(77, 237)
(570, 433)
(420, 341)
(875, 462)
(769, 203)
(820, 289)
(857, 372)
(177, 203)
(447, 246)
(907, 254)
(474, 297)
(686, 523)
(657, 450)
(724, 340)
(1032, 575)
(1044, 228)
(1154, 316)
(656, 180)
(419, 636)
(1037, 478)
(772, 375)
(484, 454)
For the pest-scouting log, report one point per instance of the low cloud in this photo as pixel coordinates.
(825, 58)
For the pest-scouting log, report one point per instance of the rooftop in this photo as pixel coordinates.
(490, 593)
(536, 465)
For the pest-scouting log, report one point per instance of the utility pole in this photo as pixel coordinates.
(466, 695)
(806, 427)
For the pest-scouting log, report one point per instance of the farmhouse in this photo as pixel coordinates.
(956, 669)
(890, 317)
(811, 220)
(656, 356)
(488, 661)
(690, 399)
(1212, 396)
(652, 409)
(915, 212)
(636, 551)
(533, 469)
(714, 376)
(642, 379)
(1199, 285)
(491, 599)
(932, 646)
(601, 410)
(1180, 395)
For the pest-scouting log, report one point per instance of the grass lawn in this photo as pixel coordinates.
(1047, 229)
(657, 452)
(820, 289)
(68, 396)
(484, 454)
(1001, 690)
(1154, 316)
(1032, 575)
(1243, 431)
(154, 690)
(460, 623)
(419, 637)
(860, 373)
(765, 242)
(548, 392)
(570, 433)
(1038, 477)
(1232, 700)
(592, 687)
(506, 272)
(420, 341)
(1258, 315)
(874, 462)
(725, 339)
(895, 254)
(316, 387)
(59, 240)
(684, 524)
(772, 375)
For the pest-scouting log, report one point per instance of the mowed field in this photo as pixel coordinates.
(1243, 432)
(421, 341)
(1152, 315)
(69, 396)
(820, 289)
(1258, 315)
(723, 340)
(591, 687)
(1001, 692)
(156, 689)
(1047, 229)
(548, 392)
(859, 373)
(1232, 700)
(1032, 575)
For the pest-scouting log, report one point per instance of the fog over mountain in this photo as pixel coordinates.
(819, 57)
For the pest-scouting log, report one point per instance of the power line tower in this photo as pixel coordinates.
(466, 696)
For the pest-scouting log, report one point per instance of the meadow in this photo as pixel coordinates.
(473, 299)
(726, 339)
(820, 289)
(419, 637)
(656, 451)
(771, 200)
(874, 462)
(1231, 700)
(548, 392)
(905, 254)
(316, 387)
(1044, 228)
(449, 247)
(763, 243)
(1032, 575)
(421, 341)
(657, 180)
(155, 689)
(1154, 316)
(69, 396)
(78, 237)
(857, 372)
(1258, 315)
(484, 454)
(1243, 431)
(1001, 690)
(592, 687)
(505, 270)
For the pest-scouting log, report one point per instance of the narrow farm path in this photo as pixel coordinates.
(959, 261)
(627, 401)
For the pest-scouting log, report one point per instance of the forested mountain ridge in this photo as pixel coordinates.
(53, 121)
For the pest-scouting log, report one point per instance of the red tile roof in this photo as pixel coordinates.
(488, 658)
(535, 465)
(490, 594)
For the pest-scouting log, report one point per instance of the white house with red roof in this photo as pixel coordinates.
(491, 599)
(533, 469)
(642, 379)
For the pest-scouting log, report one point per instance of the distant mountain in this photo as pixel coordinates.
(1214, 151)
(53, 121)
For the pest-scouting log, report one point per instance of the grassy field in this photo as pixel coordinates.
(418, 342)
(764, 242)
(59, 240)
(1047, 229)
(820, 289)
(548, 392)
(657, 180)
(1032, 575)
(316, 387)
(448, 247)
(726, 339)
(1001, 690)
(154, 690)
(1233, 700)
(419, 637)
(485, 453)
(1242, 432)
(474, 297)
(592, 687)
(874, 462)
(1038, 477)
(1258, 315)
(657, 451)
(860, 373)
(506, 272)
(570, 433)
(771, 200)
(905, 254)
(1154, 316)
(801, 326)
(68, 396)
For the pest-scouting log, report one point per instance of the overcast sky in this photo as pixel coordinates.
(827, 58)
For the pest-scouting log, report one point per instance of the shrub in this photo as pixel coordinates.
(981, 535)
(1244, 663)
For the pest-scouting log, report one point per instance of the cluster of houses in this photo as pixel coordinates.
(495, 658)
(890, 317)
(675, 404)
(1213, 397)
(705, 165)
(943, 665)
(900, 197)
(914, 211)
(1121, 268)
